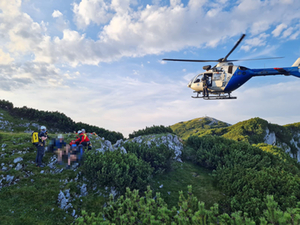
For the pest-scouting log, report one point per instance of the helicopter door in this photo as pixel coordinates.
(217, 79)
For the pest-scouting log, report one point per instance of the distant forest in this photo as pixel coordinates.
(57, 120)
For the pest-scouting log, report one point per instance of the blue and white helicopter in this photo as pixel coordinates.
(224, 78)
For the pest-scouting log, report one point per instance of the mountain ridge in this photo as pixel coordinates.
(253, 131)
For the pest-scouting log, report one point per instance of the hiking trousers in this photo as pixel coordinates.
(39, 155)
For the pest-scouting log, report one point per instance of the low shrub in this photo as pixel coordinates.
(116, 169)
(159, 157)
(133, 209)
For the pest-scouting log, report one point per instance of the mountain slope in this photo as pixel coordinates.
(252, 131)
(196, 126)
(24, 119)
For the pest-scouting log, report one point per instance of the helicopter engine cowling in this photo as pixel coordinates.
(207, 67)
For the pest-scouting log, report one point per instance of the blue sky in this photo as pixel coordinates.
(99, 61)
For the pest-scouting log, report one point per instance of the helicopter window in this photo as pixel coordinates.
(243, 68)
(198, 78)
(230, 69)
(217, 76)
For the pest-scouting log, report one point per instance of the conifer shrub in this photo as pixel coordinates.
(134, 209)
(151, 130)
(115, 169)
(159, 157)
(247, 174)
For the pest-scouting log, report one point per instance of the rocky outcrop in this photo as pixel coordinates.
(271, 139)
(170, 140)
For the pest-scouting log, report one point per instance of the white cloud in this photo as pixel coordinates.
(5, 57)
(287, 32)
(122, 6)
(56, 14)
(10, 7)
(149, 30)
(174, 3)
(279, 28)
(88, 11)
(254, 42)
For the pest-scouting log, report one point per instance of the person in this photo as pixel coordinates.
(82, 140)
(60, 144)
(205, 84)
(41, 146)
(76, 153)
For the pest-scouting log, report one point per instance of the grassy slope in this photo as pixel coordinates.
(196, 126)
(183, 175)
(15, 123)
(33, 200)
(252, 131)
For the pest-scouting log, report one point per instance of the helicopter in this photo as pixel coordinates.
(225, 77)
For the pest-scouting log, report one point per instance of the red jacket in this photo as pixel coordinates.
(72, 142)
(82, 138)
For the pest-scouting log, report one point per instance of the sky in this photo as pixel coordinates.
(100, 62)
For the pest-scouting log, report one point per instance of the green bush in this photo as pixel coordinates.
(159, 157)
(151, 130)
(246, 174)
(118, 170)
(133, 209)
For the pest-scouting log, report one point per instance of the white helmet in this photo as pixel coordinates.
(60, 136)
(43, 128)
(79, 132)
(83, 130)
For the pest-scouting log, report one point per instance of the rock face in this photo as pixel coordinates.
(170, 140)
(271, 139)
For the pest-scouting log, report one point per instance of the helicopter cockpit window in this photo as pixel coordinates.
(198, 78)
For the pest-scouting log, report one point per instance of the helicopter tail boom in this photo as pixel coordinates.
(294, 71)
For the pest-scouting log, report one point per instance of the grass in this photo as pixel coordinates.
(183, 175)
(33, 200)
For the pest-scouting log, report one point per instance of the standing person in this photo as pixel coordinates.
(41, 146)
(205, 84)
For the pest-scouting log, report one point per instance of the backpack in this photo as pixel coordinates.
(35, 137)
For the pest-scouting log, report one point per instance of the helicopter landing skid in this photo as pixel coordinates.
(219, 97)
(197, 96)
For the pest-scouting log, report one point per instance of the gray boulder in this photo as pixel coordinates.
(19, 159)
(18, 167)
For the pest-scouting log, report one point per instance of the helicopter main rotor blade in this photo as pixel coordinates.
(234, 47)
(254, 59)
(191, 60)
